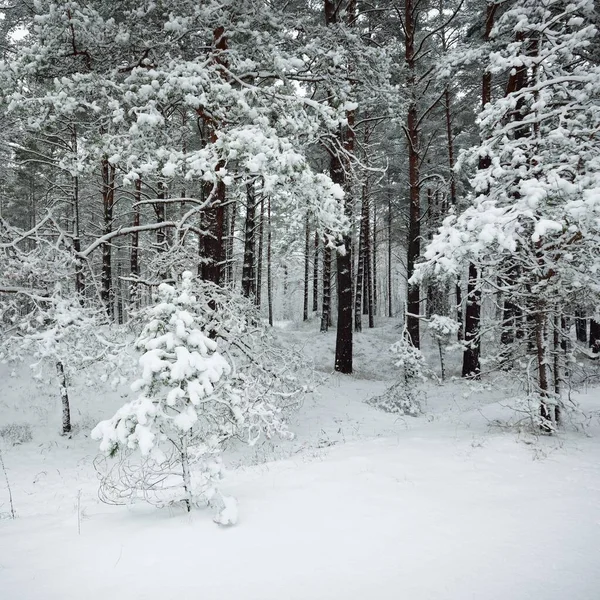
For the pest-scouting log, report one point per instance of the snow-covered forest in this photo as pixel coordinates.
(300, 299)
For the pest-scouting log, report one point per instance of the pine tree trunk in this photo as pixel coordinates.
(326, 301)
(232, 214)
(259, 260)
(374, 274)
(581, 326)
(360, 270)
(413, 305)
(343, 342)
(316, 273)
(306, 266)
(557, 334)
(134, 300)
(269, 280)
(64, 398)
(161, 217)
(595, 336)
(471, 366)
(212, 248)
(108, 195)
(248, 268)
(79, 273)
(389, 282)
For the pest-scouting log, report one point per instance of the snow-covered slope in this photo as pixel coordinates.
(362, 504)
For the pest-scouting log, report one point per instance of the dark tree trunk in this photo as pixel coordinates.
(232, 215)
(343, 343)
(361, 267)
(212, 241)
(259, 261)
(374, 277)
(413, 304)
(212, 247)
(316, 273)
(326, 302)
(471, 366)
(248, 276)
(79, 273)
(134, 268)
(389, 282)
(306, 266)
(269, 280)
(595, 336)
(108, 199)
(581, 326)
(161, 217)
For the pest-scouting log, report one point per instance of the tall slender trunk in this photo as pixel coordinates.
(269, 280)
(316, 273)
(79, 274)
(64, 398)
(326, 300)
(343, 341)
(413, 304)
(185, 474)
(581, 326)
(259, 260)
(471, 365)
(389, 249)
(134, 300)
(108, 196)
(248, 268)
(306, 266)
(595, 336)
(374, 277)
(214, 216)
(232, 214)
(360, 271)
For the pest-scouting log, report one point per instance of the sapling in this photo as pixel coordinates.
(443, 330)
(191, 400)
(404, 396)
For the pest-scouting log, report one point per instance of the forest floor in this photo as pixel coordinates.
(451, 505)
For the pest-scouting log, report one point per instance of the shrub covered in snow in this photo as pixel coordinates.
(404, 396)
(193, 396)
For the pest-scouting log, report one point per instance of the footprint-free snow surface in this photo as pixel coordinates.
(361, 505)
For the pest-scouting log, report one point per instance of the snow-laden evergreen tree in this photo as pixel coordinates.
(191, 401)
(404, 396)
(532, 227)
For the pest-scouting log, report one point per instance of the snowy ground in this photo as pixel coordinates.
(361, 505)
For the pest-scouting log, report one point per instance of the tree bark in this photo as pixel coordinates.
(413, 304)
(316, 273)
(343, 342)
(108, 197)
(581, 326)
(64, 398)
(306, 266)
(595, 336)
(269, 280)
(259, 260)
(471, 366)
(134, 268)
(326, 300)
(248, 268)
